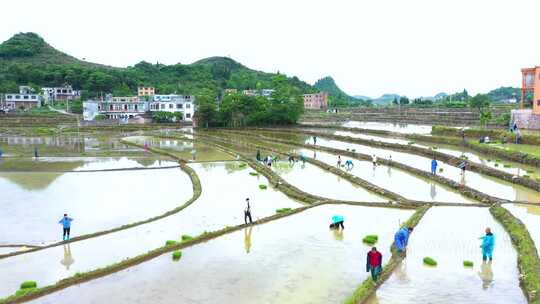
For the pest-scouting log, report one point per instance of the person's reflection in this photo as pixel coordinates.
(389, 171)
(338, 234)
(433, 191)
(314, 154)
(401, 272)
(247, 238)
(463, 181)
(486, 274)
(68, 259)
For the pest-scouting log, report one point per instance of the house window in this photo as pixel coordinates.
(17, 97)
(188, 115)
(188, 106)
(171, 106)
(9, 96)
(179, 106)
(162, 106)
(33, 97)
(25, 96)
(538, 102)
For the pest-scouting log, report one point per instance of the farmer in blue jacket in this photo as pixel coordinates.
(488, 244)
(66, 224)
(434, 166)
(401, 238)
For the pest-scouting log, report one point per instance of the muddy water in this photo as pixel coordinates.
(399, 128)
(95, 200)
(188, 150)
(291, 260)
(530, 216)
(314, 180)
(486, 184)
(395, 180)
(225, 188)
(450, 235)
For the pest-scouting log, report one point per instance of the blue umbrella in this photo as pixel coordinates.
(337, 219)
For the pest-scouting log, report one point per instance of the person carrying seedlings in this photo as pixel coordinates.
(374, 263)
(339, 161)
(66, 225)
(488, 244)
(247, 213)
(374, 159)
(401, 239)
(434, 165)
(349, 164)
(337, 222)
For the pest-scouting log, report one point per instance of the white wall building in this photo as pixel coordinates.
(115, 108)
(174, 103)
(60, 93)
(25, 99)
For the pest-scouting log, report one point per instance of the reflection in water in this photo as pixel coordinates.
(433, 191)
(389, 171)
(486, 275)
(68, 259)
(401, 273)
(247, 238)
(338, 234)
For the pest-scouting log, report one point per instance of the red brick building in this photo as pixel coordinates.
(316, 101)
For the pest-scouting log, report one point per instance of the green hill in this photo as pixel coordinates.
(27, 59)
(338, 98)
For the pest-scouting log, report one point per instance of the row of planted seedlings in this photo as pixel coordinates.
(431, 153)
(495, 187)
(466, 191)
(519, 157)
(486, 268)
(81, 276)
(120, 242)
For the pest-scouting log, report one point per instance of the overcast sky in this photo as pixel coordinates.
(371, 47)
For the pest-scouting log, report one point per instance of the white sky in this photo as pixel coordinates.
(370, 47)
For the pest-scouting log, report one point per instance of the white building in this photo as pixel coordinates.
(60, 93)
(115, 108)
(25, 99)
(174, 103)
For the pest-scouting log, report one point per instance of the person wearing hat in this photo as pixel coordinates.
(401, 239)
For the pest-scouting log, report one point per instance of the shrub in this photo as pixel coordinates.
(28, 284)
(429, 261)
(170, 242)
(253, 173)
(370, 239)
(22, 292)
(283, 210)
(100, 117)
(468, 263)
(176, 255)
(186, 237)
(263, 187)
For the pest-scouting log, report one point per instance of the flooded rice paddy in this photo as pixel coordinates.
(225, 188)
(450, 235)
(292, 260)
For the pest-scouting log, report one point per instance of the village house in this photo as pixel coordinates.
(60, 94)
(316, 101)
(174, 103)
(25, 99)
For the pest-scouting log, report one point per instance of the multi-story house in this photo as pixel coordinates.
(146, 91)
(25, 99)
(60, 94)
(316, 101)
(184, 104)
(115, 107)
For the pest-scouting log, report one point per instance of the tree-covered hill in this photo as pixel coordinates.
(27, 59)
(337, 96)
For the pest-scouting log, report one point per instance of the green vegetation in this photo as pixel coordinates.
(242, 165)
(338, 98)
(170, 242)
(28, 284)
(263, 187)
(283, 210)
(254, 173)
(176, 255)
(430, 261)
(468, 264)
(186, 237)
(24, 291)
(441, 170)
(528, 260)
(166, 117)
(507, 166)
(370, 239)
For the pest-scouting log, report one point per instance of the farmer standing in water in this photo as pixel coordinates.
(434, 166)
(374, 160)
(374, 263)
(488, 244)
(314, 140)
(247, 213)
(66, 225)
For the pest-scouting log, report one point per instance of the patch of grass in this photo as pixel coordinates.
(530, 171)
(283, 210)
(263, 187)
(22, 292)
(186, 237)
(28, 284)
(507, 166)
(170, 242)
(441, 170)
(253, 173)
(430, 261)
(370, 239)
(176, 255)
(526, 176)
(468, 263)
